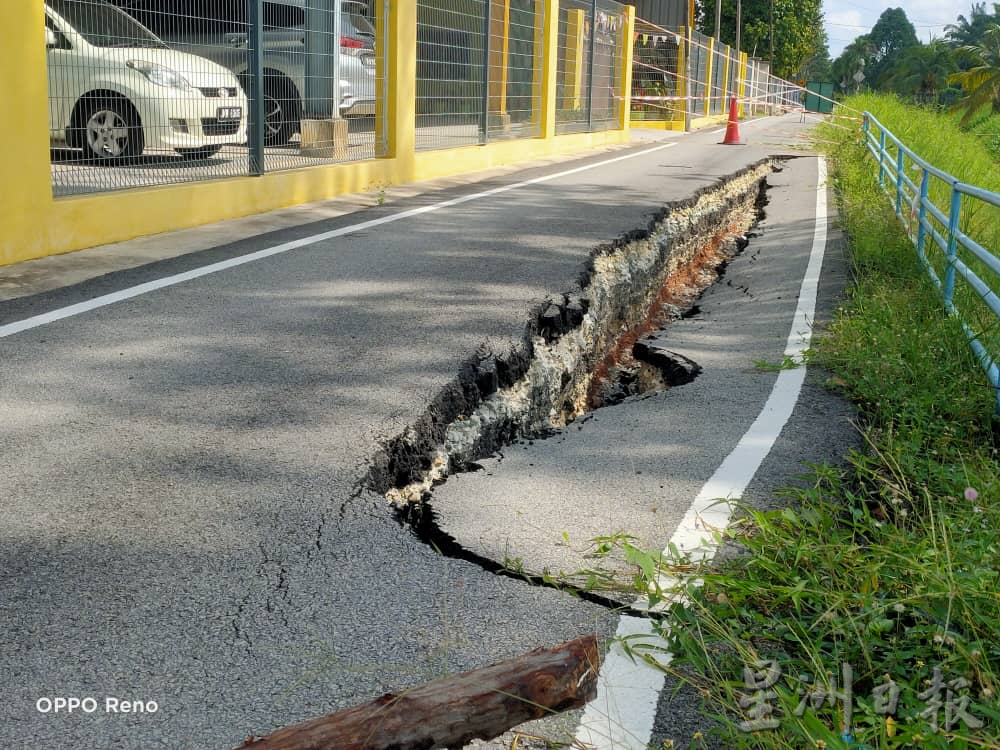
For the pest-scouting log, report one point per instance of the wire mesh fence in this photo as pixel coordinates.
(680, 75)
(607, 89)
(699, 72)
(151, 92)
(590, 89)
(657, 74)
(573, 66)
(479, 66)
(718, 90)
(119, 94)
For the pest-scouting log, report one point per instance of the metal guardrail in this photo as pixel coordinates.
(960, 255)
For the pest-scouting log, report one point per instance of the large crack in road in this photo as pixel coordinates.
(590, 348)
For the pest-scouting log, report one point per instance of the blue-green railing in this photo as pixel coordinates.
(933, 227)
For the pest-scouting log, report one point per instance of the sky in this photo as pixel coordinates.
(847, 19)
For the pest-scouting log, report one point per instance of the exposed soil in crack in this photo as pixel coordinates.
(579, 351)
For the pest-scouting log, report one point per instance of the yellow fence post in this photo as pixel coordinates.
(742, 82)
(499, 11)
(401, 85)
(550, 68)
(25, 176)
(572, 93)
(681, 87)
(708, 76)
(628, 51)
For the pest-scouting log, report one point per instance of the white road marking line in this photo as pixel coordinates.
(628, 691)
(79, 308)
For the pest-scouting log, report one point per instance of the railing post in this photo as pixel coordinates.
(484, 114)
(627, 52)
(922, 214)
(881, 157)
(590, 65)
(949, 273)
(899, 181)
(549, 62)
(255, 69)
(400, 74)
(709, 64)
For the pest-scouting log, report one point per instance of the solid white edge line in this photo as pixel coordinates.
(621, 717)
(36, 321)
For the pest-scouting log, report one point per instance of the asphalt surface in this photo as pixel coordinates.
(182, 511)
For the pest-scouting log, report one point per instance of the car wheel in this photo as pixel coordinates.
(199, 154)
(111, 130)
(281, 112)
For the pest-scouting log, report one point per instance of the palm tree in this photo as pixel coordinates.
(969, 31)
(981, 82)
(923, 71)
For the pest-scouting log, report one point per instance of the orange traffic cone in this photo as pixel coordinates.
(733, 126)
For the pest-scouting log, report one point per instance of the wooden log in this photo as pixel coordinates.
(452, 711)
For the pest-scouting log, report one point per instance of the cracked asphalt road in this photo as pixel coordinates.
(182, 515)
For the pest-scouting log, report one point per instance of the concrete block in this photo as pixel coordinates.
(325, 139)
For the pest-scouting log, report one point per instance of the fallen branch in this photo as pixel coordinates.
(450, 712)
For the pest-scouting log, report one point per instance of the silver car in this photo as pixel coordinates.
(221, 36)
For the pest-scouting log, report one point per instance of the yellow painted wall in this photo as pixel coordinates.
(33, 224)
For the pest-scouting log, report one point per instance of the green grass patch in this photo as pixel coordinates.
(890, 563)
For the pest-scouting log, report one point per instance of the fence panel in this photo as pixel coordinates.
(573, 67)
(608, 90)
(718, 78)
(302, 62)
(451, 72)
(699, 72)
(656, 73)
(515, 104)
(144, 97)
(478, 71)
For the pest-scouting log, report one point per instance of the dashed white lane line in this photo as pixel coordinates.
(628, 691)
(80, 308)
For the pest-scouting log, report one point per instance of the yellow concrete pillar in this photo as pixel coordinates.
(682, 87)
(627, 46)
(709, 91)
(741, 82)
(25, 174)
(400, 72)
(727, 50)
(549, 67)
(573, 89)
(499, 57)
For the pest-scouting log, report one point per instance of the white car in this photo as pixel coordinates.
(115, 89)
(218, 32)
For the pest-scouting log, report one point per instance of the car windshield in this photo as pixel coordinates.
(103, 25)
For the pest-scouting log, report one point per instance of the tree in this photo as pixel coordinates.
(981, 82)
(923, 71)
(818, 67)
(891, 35)
(849, 69)
(798, 30)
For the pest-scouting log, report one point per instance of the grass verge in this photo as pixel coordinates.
(889, 565)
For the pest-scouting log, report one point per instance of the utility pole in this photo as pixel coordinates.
(739, 23)
(772, 37)
(718, 17)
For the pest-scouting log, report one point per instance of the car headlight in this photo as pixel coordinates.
(160, 75)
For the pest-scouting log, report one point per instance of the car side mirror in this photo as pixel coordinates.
(51, 40)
